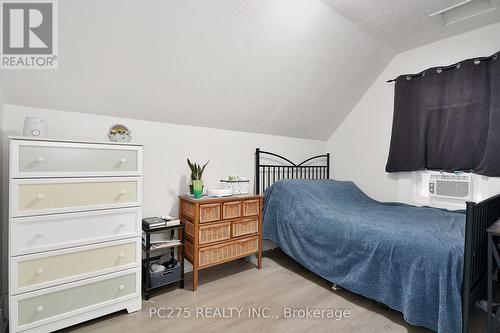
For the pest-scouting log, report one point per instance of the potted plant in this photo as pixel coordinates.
(196, 187)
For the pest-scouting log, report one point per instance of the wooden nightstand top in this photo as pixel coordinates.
(220, 199)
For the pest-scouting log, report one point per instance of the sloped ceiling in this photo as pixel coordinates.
(406, 24)
(284, 67)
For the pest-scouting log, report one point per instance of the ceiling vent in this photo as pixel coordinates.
(463, 10)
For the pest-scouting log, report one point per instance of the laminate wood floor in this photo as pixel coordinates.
(281, 284)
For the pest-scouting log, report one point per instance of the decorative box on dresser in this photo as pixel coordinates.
(220, 230)
(74, 232)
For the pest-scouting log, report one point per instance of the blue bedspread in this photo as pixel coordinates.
(409, 258)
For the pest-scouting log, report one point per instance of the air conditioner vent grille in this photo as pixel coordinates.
(458, 189)
(450, 186)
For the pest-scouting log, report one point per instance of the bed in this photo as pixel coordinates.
(428, 263)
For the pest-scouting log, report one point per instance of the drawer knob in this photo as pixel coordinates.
(122, 192)
(40, 197)
(40, 159)
(122, 255)
(39, 309)
(39, 271)
(123, 160)
(121, 225)
(121, 287)
(39, 234)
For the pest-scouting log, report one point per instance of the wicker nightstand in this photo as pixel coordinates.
(220, 230)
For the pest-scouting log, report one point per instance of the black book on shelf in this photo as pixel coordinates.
(153, 222)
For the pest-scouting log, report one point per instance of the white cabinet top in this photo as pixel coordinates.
(28, 138)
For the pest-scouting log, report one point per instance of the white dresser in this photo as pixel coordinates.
(74, 232)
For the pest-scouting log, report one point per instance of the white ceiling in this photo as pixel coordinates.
(284, 67)
(406, 24)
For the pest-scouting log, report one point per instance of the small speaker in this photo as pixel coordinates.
(35, 127)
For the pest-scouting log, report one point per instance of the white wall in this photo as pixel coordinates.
(360, 146)
(3, 224)
(166, 147)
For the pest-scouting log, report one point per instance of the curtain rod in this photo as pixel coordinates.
(477, 61)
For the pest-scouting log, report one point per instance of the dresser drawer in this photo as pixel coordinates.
(231, 210)
(46, 196)
(60, 159)
(188, 228)
(51, 268)
(58, 231)
(246, 226)
(251, 207)
(217, 254)
(214, 232)
(189, 250)
(47, 305)
(188, 209)
(209, 212)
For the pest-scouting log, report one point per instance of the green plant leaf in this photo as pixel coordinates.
(203, 169)
(198, 175)
(190, 165)
(196, 170)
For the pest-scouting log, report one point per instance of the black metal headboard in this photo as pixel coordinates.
(279, 167)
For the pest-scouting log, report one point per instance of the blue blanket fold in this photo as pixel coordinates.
(409, 258)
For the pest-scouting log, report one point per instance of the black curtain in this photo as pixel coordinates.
(448, 119)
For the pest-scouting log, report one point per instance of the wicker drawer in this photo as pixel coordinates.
(225, 252)
(209, 212)
(189, 228)
(189, 250)
(245, 227)
(251, 207)
(231, 210)
(188, 209)
(214, 232)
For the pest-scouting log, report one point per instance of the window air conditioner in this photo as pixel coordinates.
(452, 186)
